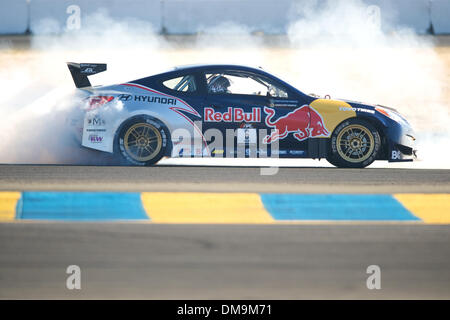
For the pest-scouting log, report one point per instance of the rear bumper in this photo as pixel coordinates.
(76, 128)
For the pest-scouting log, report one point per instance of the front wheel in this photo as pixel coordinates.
(142, 141)
(355, 143)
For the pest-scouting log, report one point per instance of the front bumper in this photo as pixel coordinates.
(404, 149)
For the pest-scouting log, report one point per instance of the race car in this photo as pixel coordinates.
(232, 111)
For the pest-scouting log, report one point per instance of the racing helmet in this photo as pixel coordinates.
(219, 84)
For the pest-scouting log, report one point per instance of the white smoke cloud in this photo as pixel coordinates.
(39, 92)
(339, 50)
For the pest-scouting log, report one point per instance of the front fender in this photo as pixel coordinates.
(399, 140)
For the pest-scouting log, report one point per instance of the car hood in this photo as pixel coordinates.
(368, 105)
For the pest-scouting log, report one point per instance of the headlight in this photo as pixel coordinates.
(392, 114)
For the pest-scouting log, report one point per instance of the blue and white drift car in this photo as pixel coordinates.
(232, 111)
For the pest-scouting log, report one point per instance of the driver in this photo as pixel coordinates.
(219, 84)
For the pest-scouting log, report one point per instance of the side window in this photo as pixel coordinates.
(183, 84)
(242, 83)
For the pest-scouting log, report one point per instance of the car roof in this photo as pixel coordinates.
(217, 67)
(203, 67)
(194, 68)
(212, 65)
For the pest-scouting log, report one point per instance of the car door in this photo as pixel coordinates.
(235, 108)
(287, 120)
(265, 119)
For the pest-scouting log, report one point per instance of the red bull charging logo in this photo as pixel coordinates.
(303, 122)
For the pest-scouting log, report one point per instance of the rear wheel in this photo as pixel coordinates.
(355, 143)
(142, 141)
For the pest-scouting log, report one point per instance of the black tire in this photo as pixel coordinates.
(332, 160)
(355, 143)
(142, 141)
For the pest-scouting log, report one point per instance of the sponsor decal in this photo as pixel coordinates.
(124, 97)
(148, 99)
(303, 122)
(297, 152)
(232, 115)
(396, 155)
(356, 109)
(95, 130)
(283, 103)
(279, 152)
(96, 121)
(264, 153)
(153, 99)
(93, 138)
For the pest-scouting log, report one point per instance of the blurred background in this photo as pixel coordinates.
(394, 53)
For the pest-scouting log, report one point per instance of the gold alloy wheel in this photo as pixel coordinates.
(355, 143)
(142, 142)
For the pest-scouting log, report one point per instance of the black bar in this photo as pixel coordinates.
(230, 309)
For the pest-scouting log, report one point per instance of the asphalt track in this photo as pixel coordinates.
(223, 179)
(137, 261)
(157, 261)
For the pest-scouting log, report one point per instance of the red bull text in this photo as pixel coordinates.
(232, 115)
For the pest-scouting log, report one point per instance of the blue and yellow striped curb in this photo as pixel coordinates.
(239, 208)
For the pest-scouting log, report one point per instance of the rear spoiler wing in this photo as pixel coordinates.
(81, 71)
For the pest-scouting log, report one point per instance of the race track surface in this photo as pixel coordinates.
(137, 261)
(224, 179)
(229, 261)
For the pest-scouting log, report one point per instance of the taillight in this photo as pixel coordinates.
(97, 101)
